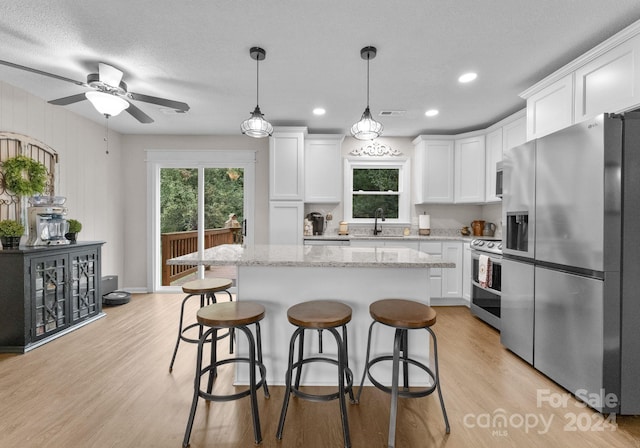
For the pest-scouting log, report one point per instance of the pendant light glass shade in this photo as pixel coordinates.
(107, 104)
(367, 128)
(256, 126)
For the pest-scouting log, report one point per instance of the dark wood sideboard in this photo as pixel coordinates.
(46, 292)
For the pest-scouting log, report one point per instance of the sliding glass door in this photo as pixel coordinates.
(196, 206)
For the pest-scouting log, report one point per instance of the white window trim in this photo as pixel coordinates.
(404, 188)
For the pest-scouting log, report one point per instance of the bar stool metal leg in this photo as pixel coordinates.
(437, 372)
(397, 344)
(288, 378)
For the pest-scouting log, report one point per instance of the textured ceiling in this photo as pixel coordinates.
(197, 51)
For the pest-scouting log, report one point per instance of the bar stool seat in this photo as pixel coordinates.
(403, 315)
(319, 315)
(205, 288)
(230, 315)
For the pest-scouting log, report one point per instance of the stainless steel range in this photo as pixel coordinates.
(486, 255)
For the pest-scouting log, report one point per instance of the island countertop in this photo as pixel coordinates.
(312, 256)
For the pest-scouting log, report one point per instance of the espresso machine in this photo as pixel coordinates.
(47, 225)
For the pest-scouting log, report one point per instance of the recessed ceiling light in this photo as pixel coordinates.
(467, 77)
(319, 111)
(432, 112)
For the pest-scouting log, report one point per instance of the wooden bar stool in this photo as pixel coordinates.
(230, 315)
(206, 289)
(319, 315)
(403, 315)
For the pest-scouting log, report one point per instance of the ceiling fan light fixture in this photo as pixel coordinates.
(256, 126)
(367, 128)
(107, 104)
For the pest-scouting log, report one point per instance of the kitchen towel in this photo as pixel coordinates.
(484, 271)
(424, 221)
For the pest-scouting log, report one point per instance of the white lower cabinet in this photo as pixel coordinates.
(286, 222)
(446, 284)
(466, 273)
(452, 278)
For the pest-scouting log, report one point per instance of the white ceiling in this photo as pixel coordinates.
(197, 51)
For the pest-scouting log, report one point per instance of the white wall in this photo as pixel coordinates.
(135, 201)
(87, 176)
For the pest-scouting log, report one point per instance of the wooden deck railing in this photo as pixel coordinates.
(175, 244)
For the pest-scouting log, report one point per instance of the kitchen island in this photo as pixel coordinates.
(281, 276)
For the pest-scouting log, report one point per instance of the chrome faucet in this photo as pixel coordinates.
(379, 213)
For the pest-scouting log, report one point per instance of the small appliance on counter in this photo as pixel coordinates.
(47, 226)
(317, 222)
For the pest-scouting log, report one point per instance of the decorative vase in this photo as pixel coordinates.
(71, 237)
(10, 242)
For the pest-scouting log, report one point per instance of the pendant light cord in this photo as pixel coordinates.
(257, 81)
(368, 58)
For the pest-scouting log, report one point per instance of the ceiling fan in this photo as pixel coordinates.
(108, 94)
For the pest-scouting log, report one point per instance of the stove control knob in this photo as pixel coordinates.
(480, 243)
(490, 245)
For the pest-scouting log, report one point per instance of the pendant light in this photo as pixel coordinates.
(367, 128)
(256, 126)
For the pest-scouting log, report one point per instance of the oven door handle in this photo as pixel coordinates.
(494, 291)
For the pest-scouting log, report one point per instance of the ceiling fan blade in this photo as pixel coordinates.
(109, 74)
(138, 114)
(177, 105)
(68, 99)
(40, 72)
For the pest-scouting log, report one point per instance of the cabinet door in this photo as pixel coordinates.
(433, 172)
(609, 83)
(49, 295)
(286, 166)
(286, 222)
(493, 156)
(550, 109)
(466, 273)
(514, 133)
(323, 169)
(452, 277)
(84, 292)
(435, 274)
(470, 170)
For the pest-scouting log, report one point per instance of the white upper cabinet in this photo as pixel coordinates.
(469, 186)
(494, 155)
(514, 133)
(609, 83)
(286, 164)
(550, 109)
(604, 79)
(433, 171)
(323, 168)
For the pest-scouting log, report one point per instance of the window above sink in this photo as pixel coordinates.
(373, 184)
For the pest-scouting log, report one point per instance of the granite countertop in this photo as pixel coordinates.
(313, 256)
(391, 237)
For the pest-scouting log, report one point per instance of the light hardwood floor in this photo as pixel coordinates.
(108, 385)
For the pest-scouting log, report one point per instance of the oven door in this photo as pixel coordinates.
(485, 300)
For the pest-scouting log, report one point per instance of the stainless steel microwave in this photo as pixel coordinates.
(499, 179)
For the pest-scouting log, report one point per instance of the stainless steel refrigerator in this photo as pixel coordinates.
(571, 268)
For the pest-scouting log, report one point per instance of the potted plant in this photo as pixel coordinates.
(10, 233)
(75, 227)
